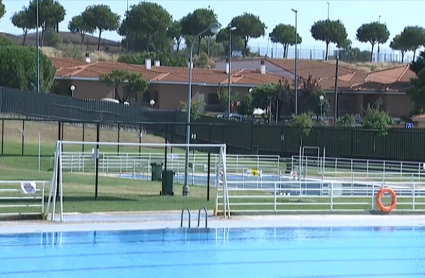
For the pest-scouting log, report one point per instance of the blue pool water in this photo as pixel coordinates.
(275, 252)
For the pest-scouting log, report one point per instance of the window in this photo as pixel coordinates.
(213, 99)
(146, 97)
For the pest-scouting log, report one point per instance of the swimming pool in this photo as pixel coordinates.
(235, 252)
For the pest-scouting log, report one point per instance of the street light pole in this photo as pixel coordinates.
(37, 49)
(296, 61)
(214, 28)
(329, 4)
(321, 99)
(229, 74)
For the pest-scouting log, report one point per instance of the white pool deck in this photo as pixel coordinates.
(171, 219)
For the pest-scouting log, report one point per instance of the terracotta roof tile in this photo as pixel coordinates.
(418, 117)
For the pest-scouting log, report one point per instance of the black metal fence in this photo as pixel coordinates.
(21, 137)
(47, 106)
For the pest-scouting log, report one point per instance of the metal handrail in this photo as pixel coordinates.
(181, 218)
(206, 216)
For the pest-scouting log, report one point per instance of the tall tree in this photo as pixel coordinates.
(78, 25)
(2, 9)
(175, 33)
(194, 23)
(50, 14)
(329, 31)
(413, 37)
(102, 18)
(373, 33)
(285, 35)
(419, 64)
(147, 23)
(399, 44)
(416, 90)
(22, 20)
(248, 26)
(134, 83)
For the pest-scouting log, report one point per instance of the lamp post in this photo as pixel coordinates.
(214, 28)
(230, 69)
(321, 98)
(37, 49)
(329, 4)
(72, 88)
(296, 60)
(152, 103)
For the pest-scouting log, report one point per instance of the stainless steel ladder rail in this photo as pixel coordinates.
(206, 216)
(181, 218)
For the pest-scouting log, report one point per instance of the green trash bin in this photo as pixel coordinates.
(156, 171)
(167, 183)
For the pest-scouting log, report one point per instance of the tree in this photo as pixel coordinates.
(146, 24)
(22, 20)
(329, 31)
(223, 97)
(196, 22)
(50, 14)
(418, 65)
(413, 37)
(2, 9)
(373, 33)
(303, 122)
(245, 107)
(175, 33)
(317, 106)
(285, 35)
(134, 83)
(399, 44)
(248, 26)
(416, 90)
(100, 17)
(195, 114)
(5, 41)
(376, 119)
(348, 120)
(80, 26)
(18, 69)
(237, 42)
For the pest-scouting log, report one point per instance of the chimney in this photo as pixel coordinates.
(157, 63)
(263, 67)
(88, 58)
(148, 63)
(190, 65)
(227, 66)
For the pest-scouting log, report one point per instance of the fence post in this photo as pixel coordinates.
(59, 133)
(23, 137)
(166, 148)
(82, 149)
(2, 136)
(140, 139)
(118, 139)
(97, 161)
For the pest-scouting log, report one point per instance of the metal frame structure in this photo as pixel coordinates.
(56, 190)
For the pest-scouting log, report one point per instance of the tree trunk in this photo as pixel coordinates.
(41, 43)
(178, 42)
(327, 49)
(199, 45)
(245, 48)
(284, 51)
(402, 56)
(98, 41)
(25, 37)
(371, 53)
(414, 55)
(82, 38)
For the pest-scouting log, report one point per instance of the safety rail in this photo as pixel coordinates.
(16, 196)
(314, 165)
(320, 196)
(206, 216)
(181, 217)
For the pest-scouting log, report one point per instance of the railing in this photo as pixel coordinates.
(320, 196)
(337, 167)
(135, 165)
(14, 201)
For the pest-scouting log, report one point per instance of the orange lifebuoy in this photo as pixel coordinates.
(379, 203)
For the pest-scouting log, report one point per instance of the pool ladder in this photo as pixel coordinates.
(199, 216)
